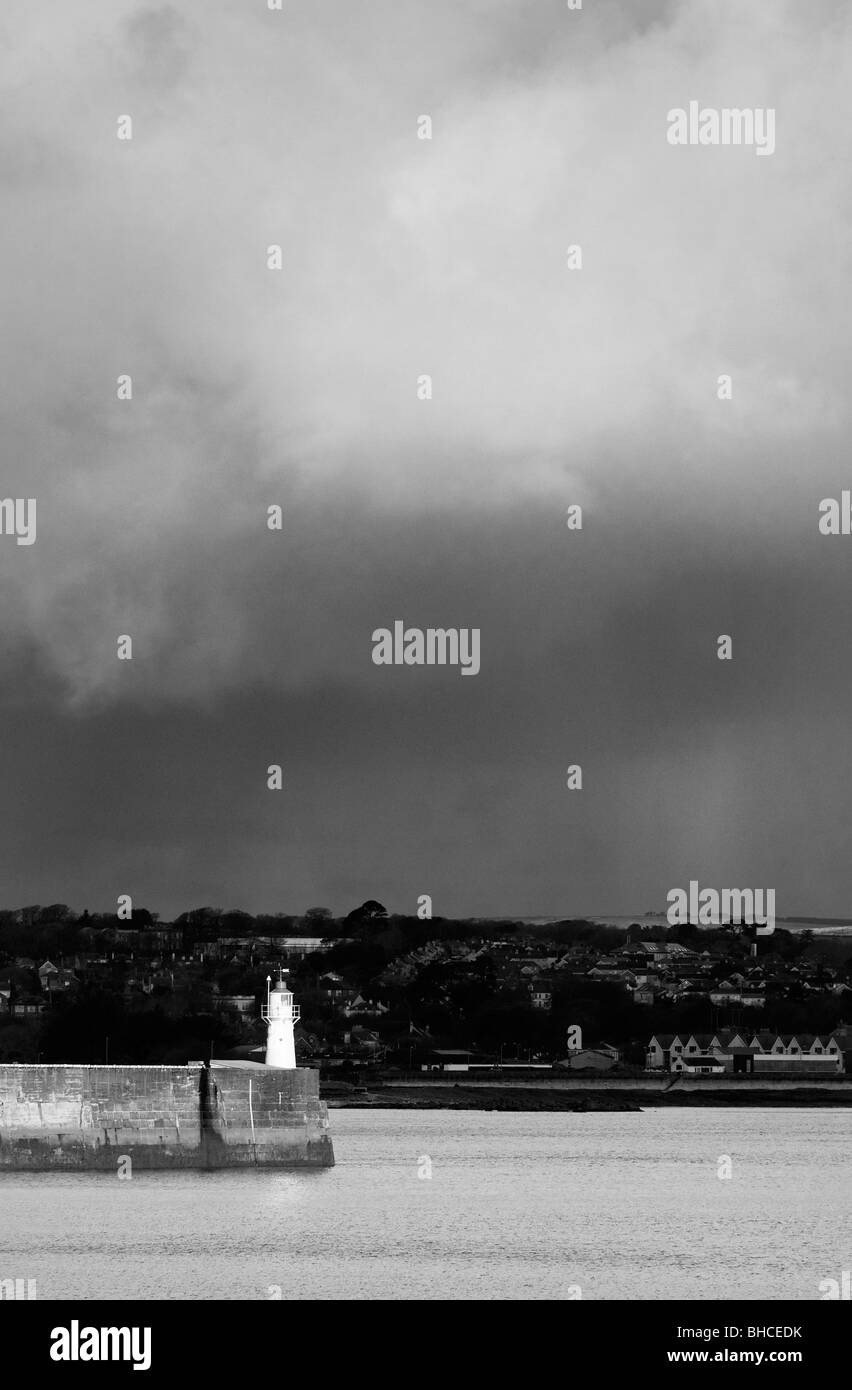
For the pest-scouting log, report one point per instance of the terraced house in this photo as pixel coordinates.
(742, 1051)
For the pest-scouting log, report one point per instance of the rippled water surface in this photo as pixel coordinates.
(517, 1206)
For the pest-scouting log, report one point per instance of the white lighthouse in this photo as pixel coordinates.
(280, 1013)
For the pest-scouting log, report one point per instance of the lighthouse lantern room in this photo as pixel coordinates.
(280, 1014)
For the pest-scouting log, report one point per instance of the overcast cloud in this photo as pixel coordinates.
(551, 387)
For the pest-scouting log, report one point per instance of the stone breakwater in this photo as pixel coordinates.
(221, 1115)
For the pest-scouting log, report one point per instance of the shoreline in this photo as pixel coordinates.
(584, 1098)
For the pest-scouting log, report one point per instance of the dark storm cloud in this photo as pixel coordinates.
(404, 257)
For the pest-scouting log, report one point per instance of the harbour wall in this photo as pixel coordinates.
(221, 1115)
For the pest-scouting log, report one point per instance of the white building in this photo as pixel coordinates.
(280, 1014)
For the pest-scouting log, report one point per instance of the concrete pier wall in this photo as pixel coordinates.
(221, 1116)
(268, 1117)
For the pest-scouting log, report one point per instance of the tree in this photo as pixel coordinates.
(370, 911)
(235, 922)
(200, 917)
(318, 914)
(56, 913)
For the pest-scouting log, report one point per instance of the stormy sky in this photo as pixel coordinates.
(551, 387)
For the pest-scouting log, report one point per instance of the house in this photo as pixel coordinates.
(842, 1038)
(333, 986)
(447, 1059)
(698, 1044)
(674, 950)
(658, 1055)
(726, 993)
(761, 1052)
(298, 947)
(27, 1005)
(700, 1064)
(243, 1004)
(590, 1059)
(359, 1005)
(60, 981)
(615, 975)
(818, 1045)
(531, 967)
(576, 961)
(799, 1064)
(665, 1049)
(306, 1044)
(362, 1038)
(646, 993)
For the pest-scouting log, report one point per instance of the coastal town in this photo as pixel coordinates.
(389, 993)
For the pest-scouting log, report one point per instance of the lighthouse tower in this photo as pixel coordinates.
(280, 1013)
